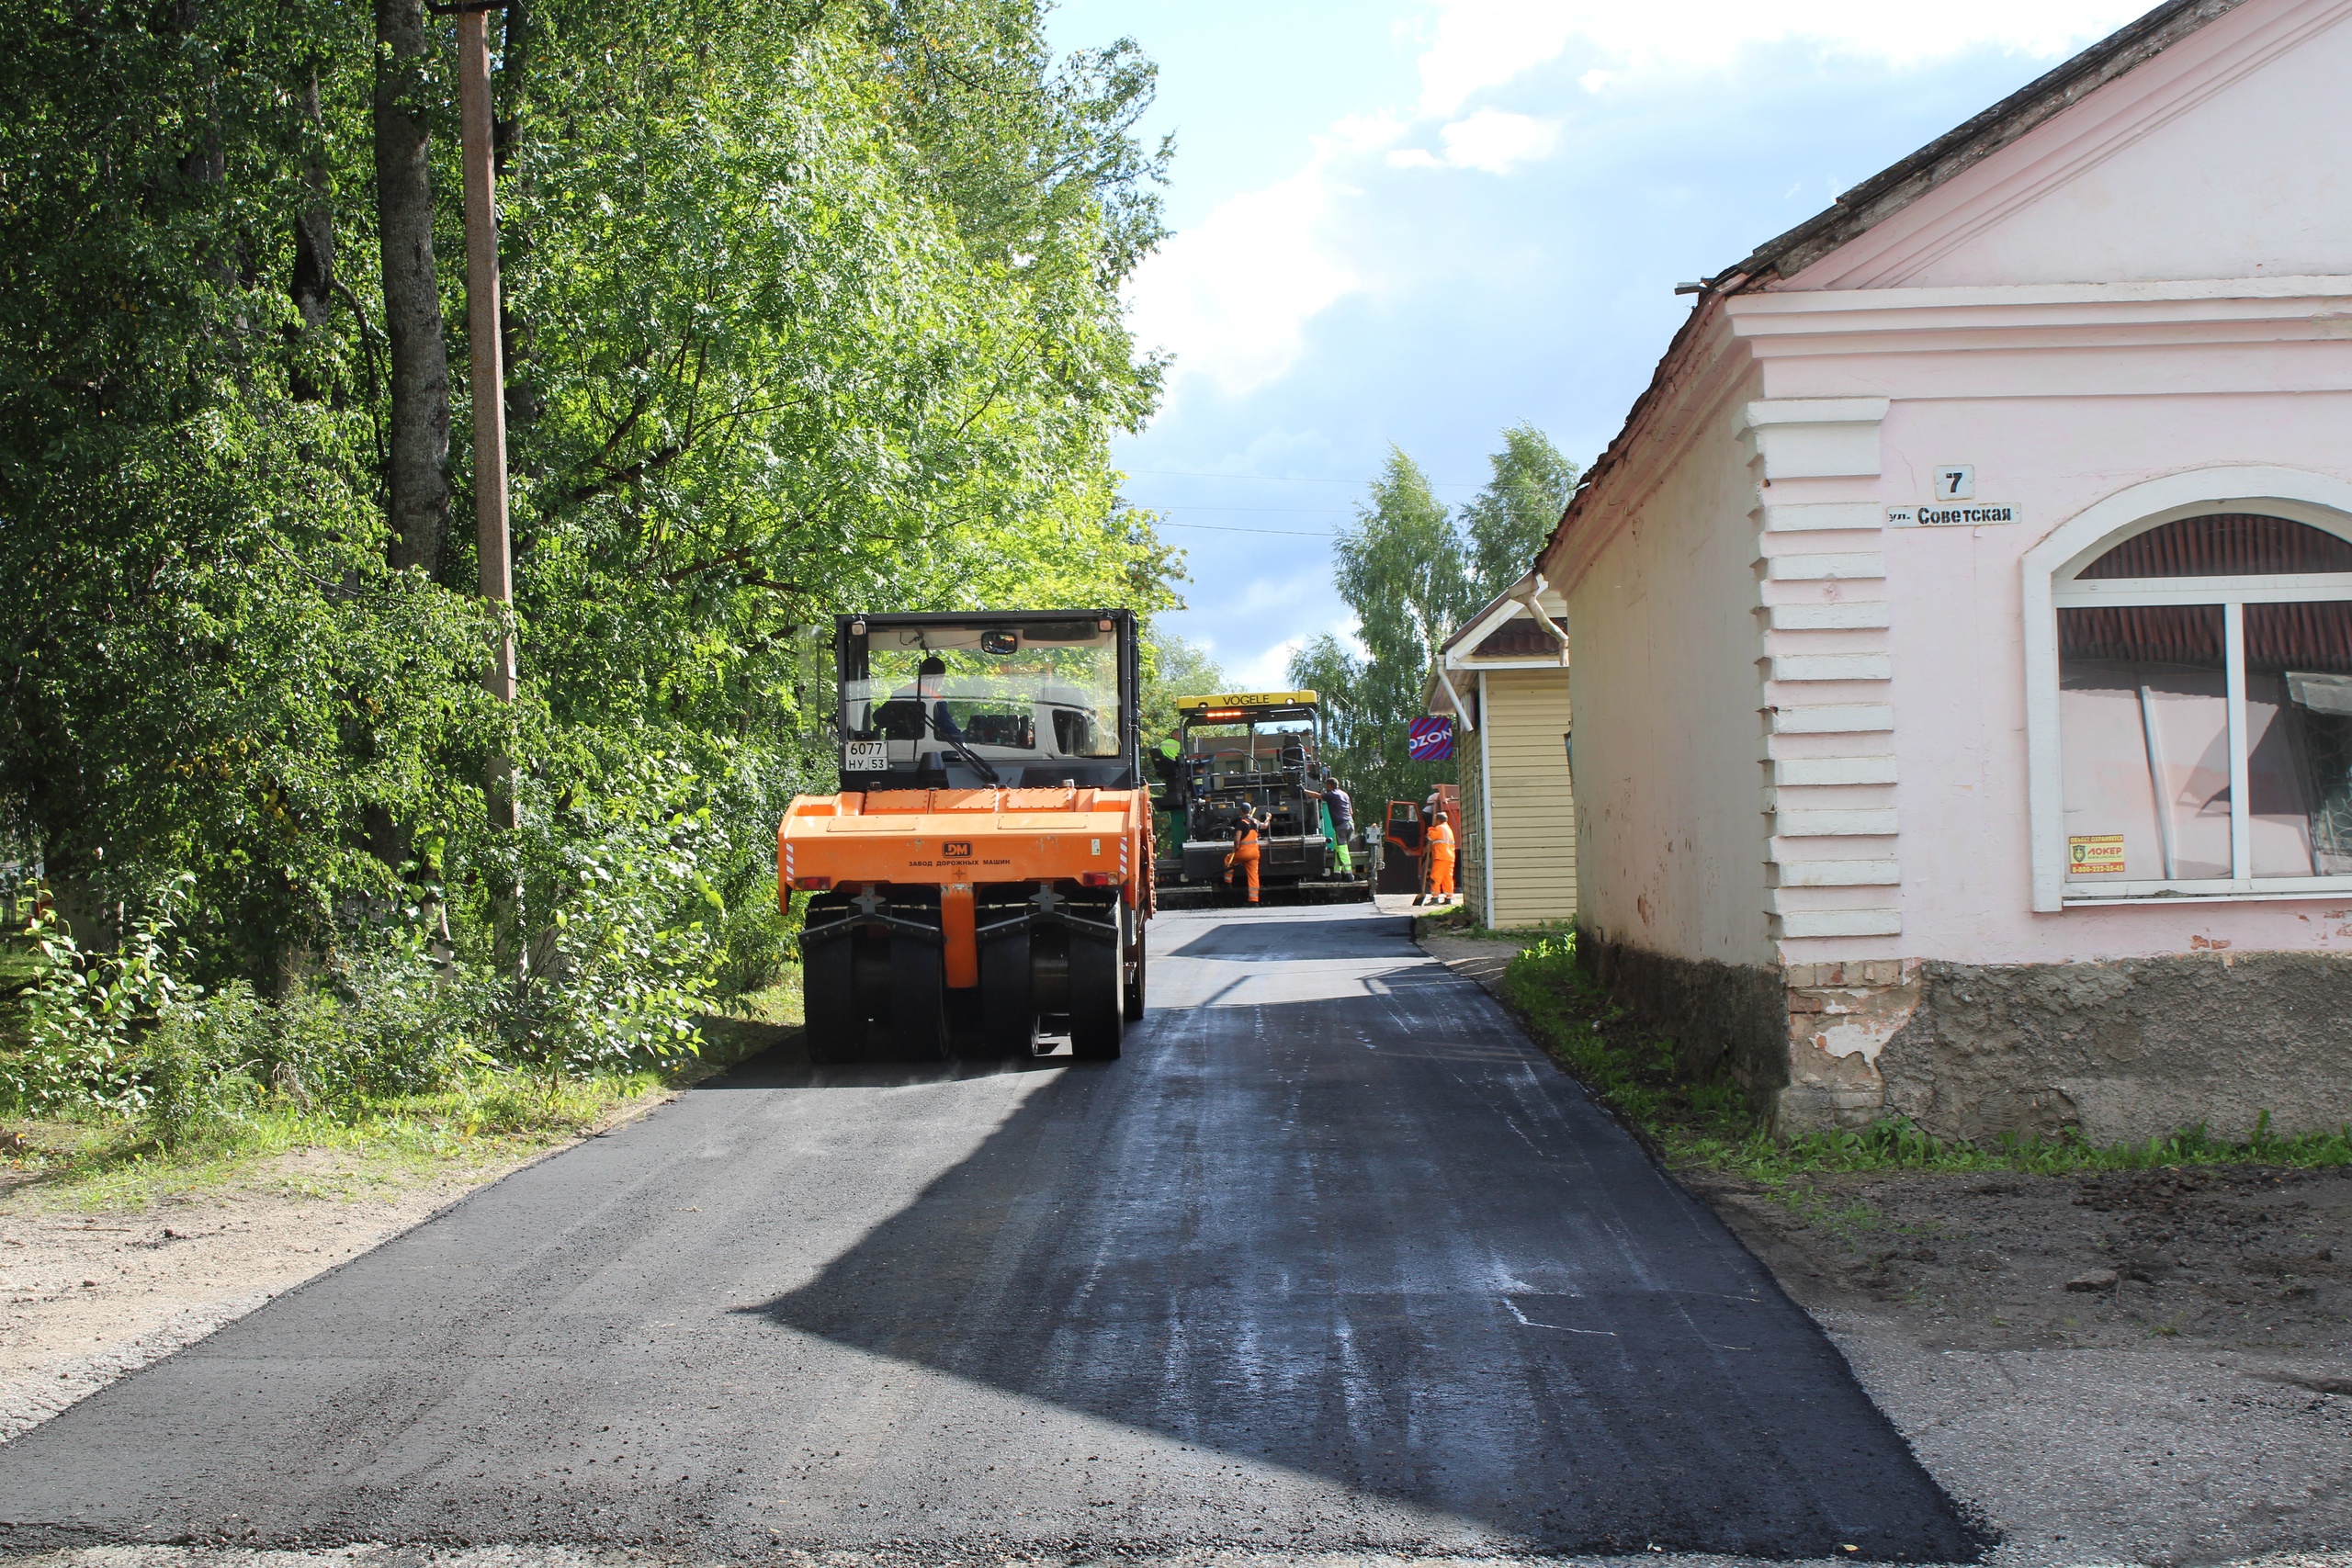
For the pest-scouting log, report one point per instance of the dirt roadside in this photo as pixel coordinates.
(2146, 1366)
(2237, 1258)
(88, 1297)
(2195, 1409)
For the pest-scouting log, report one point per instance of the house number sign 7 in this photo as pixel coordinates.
(1955, 502)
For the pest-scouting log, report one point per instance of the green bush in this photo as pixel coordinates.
(609, 984)
(198, 1065)
(615, 888)
(754, 943)
(83, 1012)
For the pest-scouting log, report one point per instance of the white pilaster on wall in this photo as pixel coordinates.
(1829, 768)
(1814, 438)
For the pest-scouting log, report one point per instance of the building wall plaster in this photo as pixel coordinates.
(1721, 1017)
(1664, 686)
(2117, 1052)
(2072, 319)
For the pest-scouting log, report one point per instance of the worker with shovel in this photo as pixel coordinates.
(1243, 856)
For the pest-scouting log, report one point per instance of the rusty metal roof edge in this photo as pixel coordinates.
(1896, 186)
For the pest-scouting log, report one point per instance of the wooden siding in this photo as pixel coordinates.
(1526, 725)
(1470, 870)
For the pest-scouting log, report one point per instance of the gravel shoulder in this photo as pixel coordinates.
(91, 1295)
(2145, 1367)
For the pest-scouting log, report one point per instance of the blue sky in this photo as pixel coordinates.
(1416, 221)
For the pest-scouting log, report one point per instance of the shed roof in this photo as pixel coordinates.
(1483, 619)
(1521, 638)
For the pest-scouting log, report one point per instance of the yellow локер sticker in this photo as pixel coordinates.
(2094, 855)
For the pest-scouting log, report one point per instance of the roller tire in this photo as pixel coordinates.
(1133, 996)
(1097, 1000)
(1008, 998)
(918, 1001)
(832, 1025)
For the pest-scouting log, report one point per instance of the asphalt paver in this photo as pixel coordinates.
(1332, 1260)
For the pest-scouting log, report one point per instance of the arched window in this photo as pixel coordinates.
(2204, 709)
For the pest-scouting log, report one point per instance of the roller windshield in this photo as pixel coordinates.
(967, 707)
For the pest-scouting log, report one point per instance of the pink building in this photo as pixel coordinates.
(1964, 617)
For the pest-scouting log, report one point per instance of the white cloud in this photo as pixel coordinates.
(1282, 594)
(1478, 45)
(1494, 140)
(1231, 297)
(1270, 671)
(1490, 140)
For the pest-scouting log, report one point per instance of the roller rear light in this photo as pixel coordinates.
(814, 883)
(1098, 879)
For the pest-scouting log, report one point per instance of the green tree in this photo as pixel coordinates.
(1412, 573)
(1401, 568)
(808, 307)
(1508, 520)
(1173, 668)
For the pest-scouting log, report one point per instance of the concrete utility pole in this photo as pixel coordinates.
(493, 545)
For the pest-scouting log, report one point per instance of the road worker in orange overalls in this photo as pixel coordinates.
(1243, 856)
(1441, 849)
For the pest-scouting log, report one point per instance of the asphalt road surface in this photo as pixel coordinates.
(1333, 1259)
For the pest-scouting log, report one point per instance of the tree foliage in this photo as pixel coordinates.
(1174, 668)
(1412, 573)
(808, 306)
(1507, 523)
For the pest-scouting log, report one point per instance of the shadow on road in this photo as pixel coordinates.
(1366, 1232)
(788, 1068)
(1280, 936)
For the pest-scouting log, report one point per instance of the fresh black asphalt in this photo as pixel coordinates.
(1332, 1259)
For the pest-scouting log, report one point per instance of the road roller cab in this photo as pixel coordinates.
(984, 872)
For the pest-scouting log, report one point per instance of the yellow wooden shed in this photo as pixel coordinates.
(1503, 679)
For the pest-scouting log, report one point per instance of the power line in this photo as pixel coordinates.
(1229, 528)
(1294, 480)
(1292, 510)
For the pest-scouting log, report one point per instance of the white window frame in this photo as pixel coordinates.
(2050, 568)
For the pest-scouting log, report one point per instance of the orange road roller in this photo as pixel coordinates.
(983, 876)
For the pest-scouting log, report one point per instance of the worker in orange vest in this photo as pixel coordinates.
(1243, 856)
(1441, 848)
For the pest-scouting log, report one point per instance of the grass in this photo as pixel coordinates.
(1457, 921)
(1712, 1123)
(494, 1118)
